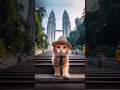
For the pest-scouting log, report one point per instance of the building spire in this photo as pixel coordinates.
(66, 25)
(51, 27)
(65, 12)
(52, 12)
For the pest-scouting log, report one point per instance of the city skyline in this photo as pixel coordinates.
(51, 26)
(74, 9)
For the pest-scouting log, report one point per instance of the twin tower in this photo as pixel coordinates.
(51, 26)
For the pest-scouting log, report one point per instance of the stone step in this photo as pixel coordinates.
(16, 73)
(102, 80)
(6, 63)
(60, 86)
(16, 76)
(51, 58)
(74, 57)
(104, 74)
(49, 64)
(17, 80)
(50, 78)
(50, 61)
(47, 68)
(103, 77)
(43, 64)
(27, 66)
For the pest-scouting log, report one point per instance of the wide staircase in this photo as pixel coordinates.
(18, 77)
(102, 81)
(44, 74)
(106, 78)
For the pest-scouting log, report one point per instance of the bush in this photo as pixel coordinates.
(3, 51)
(80, 47)
(108, 51)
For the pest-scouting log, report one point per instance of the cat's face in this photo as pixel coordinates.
(61, 49)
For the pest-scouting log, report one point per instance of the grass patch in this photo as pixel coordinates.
(3, 51)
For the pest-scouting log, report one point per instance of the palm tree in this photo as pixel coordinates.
(40, 13)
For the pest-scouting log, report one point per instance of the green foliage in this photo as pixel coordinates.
(80, 47)
(102, 26)
(36, 47)
(41, 40)
(13, 36)
(108, 51)
(76, 37)
(3, 51)
(28, 46)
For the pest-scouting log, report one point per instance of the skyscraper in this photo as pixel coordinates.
(51, 27)
(78, 21)
(66, 26)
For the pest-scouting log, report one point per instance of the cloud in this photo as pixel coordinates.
(73, 7)
(59, 3)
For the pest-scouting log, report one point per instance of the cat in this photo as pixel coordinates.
(61, 51)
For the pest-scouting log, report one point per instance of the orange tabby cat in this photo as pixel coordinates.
(61, 50)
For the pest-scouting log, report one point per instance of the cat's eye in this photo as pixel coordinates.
(64, 47)
(58, 46)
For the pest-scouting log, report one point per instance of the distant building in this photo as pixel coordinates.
(51, 26)
(66, 25)
(78, 22)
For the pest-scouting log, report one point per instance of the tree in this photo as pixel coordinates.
(77, 37)
(41, 40)
(11, 33)
(102, 26)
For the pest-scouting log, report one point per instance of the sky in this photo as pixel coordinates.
(73, 7)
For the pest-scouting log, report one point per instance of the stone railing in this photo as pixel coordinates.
(108, 62)
(7, 62)
(80, 52)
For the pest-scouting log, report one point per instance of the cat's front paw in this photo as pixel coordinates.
(66, 76)
(57, 75)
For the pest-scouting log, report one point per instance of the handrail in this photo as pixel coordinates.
(2, 59)
(111, 61)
